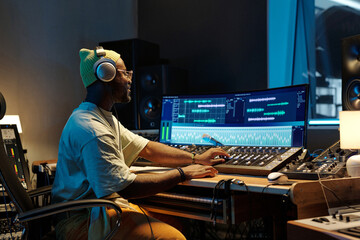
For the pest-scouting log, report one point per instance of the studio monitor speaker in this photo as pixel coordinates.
(153, 82)
(351, 73)
(135, 53)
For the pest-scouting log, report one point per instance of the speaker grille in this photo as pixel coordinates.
(352, 95)
(151, 108)
(153, 82)
(351, 73)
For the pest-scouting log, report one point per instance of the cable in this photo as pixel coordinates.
(250, 210)
(215, 201)
(47, 172)
(317, 150)
(147, 218)
(336, 196)
(322, 188)
(266, 187)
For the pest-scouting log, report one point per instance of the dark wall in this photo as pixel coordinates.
(321, 137)
(223, 44)
(39, 61)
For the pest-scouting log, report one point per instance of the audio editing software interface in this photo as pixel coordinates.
(272, 117)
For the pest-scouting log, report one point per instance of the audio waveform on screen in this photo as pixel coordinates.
(241, 136)
(211, 105)
(200, 110)
(204, 120)
(206, 110)
(197, 101)
(277, 113)
(261, 119)
(264, 99)
(278, 104)
(255, 110)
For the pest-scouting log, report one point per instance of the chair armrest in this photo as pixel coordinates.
(40, 191)
(52, 209)
(66, 206)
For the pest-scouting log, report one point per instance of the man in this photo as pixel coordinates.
(95, 152)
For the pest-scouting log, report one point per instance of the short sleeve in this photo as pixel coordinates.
(132, 144)
(105, 166)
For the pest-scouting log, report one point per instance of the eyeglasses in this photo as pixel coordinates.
(128, 74)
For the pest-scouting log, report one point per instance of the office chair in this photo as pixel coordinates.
(33, 217)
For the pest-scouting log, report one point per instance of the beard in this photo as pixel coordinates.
(122, 96)
(126, 99)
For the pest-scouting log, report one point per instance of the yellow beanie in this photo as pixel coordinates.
(87, 60)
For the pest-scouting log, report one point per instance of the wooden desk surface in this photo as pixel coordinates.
(257, 184)
(307, 195)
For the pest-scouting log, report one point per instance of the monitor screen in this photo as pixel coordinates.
(272, 117)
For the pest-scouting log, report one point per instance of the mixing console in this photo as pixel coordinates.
(10, 230)
(330, 163)
(250, 160)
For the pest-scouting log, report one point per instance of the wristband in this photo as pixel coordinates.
(193, 158)
(182, 174)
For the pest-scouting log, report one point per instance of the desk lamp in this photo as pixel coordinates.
(12, 119)
(350, 139)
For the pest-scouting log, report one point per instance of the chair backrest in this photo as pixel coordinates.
(11, 183)
(18, 195)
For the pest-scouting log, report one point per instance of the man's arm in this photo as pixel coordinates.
(150, 184)
(161, 153)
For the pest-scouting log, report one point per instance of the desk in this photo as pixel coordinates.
(302, 199)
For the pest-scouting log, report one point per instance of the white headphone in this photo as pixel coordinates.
(104, 68)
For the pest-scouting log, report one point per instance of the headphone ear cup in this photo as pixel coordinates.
(105, 69)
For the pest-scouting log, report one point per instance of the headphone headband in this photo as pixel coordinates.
(100, 52)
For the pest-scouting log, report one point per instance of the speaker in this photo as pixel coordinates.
(135, 53)
(332, 25)
(351, 73)
(154, 82)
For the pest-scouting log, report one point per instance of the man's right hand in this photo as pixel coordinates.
(198, 171)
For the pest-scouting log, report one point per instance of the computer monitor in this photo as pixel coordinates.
(271, 117)
(15, 152)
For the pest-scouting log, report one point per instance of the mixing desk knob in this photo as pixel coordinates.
(309, 166)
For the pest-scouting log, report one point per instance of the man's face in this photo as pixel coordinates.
(121, 84)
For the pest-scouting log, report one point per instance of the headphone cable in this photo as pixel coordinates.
(147, 218)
